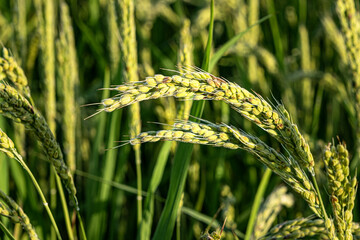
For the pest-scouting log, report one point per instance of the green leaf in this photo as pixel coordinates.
(222, 50)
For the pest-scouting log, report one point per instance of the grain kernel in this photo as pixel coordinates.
(185, 82)
(141, 97)
(126, 99)
(224, 136)
(178, 134)
(108, 102)
(177, 78)
(194, 84)
(151, 81)
(159, 78)
(144, 89)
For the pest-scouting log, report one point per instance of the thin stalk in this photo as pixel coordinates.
(64, 206)
(139, 185)
(38, 189)
(320, 199)
(6, 231)
(257, 201)
(53, 199)
(82, 229)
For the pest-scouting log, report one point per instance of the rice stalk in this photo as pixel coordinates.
(129, 54)
(66, 59)
(68, 75)
(46, 27)
(307, 93)
(15, 213)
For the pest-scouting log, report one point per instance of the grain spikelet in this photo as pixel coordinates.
(17, 215)
(204, 86)
(222, 135)
(18, 108)
(342, 189)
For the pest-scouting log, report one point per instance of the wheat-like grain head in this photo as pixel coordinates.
(17, 215)
(16, 107)
(342, 189)
(204, 86)
(222, 135)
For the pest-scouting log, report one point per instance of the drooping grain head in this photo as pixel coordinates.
(222, 135)
(17, 215)
(204, 86)
(16, 107)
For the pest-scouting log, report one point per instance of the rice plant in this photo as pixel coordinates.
(210, 119)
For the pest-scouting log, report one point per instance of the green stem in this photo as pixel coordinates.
(320, 199)
(45, 203)
(257, 201)
(139, 186)
(82, 229)
(52, 197)
(64, 206)
(6, 231)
